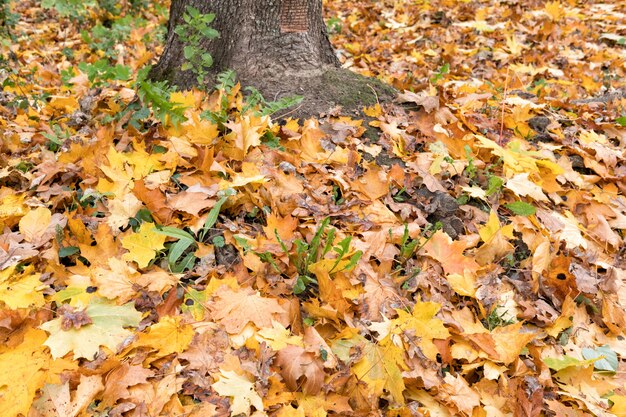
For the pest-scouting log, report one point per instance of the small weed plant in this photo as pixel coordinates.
(195, 30)
(180, 254)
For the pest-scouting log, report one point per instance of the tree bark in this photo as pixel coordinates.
(279, 47)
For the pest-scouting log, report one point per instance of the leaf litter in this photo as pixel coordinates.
(458, 253)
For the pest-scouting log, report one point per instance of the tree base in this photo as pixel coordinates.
(325, 91)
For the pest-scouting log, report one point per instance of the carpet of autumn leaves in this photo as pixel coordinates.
(460, 254)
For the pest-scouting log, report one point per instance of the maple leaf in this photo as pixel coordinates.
(247, 132)
(106, 329)
(521, 185)
(166, 337)
(121, 209)
(424, 325)
(373, 185)
(249, 174)
(301, 369)
(457, 391)
(39, 226)
(120, 379)
(450, 254)
(235, 309)
(117, 281)
(379, 367)
(23, 370)
(278, 337)
(231, 384)
(319, 405)
(199, 131)
(143, 246)
(12, 207)
(496, 241)
(56, 401)
(21, 290)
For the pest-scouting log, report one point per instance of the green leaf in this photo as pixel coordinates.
(605, 358)
(495, 185)
(189, 52)
(211, 218)
(68, 251)
(174, 232)
(177, 249)
(219, 241)
(187, 263)
(300, 287)
(621, 121)
(521, 208)
(566, 361)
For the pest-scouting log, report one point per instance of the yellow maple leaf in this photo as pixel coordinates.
(496, 241)
(167, 336)
(518, 160)
(319, 405)
(521, 185)
(619, 405)
(21, 290)
(64, 104)
(492, 227)
(200, 131)
(250, 174)
(116, 281)
(424, 325)
(373, 111)
(143, 246)
(554, 10)
(380, 369)
(121, 209)
(242, 391)
(463, 284)
(247, 132)
(11, 208)
(509, 341)
(23, 371)
(278, 337)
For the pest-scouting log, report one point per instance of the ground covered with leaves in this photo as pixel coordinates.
(185, 254)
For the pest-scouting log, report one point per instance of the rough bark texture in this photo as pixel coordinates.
(279, 47)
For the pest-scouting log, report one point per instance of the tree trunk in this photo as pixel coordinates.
(279, 47)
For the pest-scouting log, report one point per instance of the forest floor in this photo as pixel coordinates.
(182, 254)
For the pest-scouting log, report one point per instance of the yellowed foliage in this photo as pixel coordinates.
(143, 245)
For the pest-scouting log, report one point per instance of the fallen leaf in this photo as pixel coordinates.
(241, 390)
